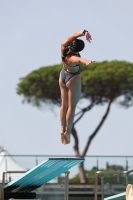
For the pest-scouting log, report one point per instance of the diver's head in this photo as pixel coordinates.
(77, 45)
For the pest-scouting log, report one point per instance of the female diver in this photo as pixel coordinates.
(70, 80)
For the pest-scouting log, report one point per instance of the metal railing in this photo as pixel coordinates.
(111, 174)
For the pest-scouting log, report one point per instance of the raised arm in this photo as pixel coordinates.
(72, 37)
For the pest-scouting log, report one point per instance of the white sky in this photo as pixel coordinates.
(31, 32)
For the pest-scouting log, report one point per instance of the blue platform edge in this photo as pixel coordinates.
(120, 196)
(45, 171)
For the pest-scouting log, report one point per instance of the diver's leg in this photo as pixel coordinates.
(74, 91)
(63, 108)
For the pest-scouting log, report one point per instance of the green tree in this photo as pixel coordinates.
(102, 83)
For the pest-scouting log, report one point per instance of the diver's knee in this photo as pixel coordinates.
(64, 107)
(72, 108)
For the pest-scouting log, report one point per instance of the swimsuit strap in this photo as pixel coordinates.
(70, 54)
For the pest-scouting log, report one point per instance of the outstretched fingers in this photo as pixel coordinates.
(88, 62)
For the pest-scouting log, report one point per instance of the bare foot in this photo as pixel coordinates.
(63, 138)
(67, 135)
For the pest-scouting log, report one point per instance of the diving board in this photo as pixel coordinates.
(41, 174)
(121, 196)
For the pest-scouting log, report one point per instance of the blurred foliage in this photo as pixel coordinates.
(90, 175)
(41, 86)
(110, 178)
(101, 81)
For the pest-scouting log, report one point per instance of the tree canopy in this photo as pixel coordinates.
(101, 82)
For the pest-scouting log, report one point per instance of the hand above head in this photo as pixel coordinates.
(88, 37)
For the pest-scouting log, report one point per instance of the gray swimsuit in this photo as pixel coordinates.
(65, 75)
